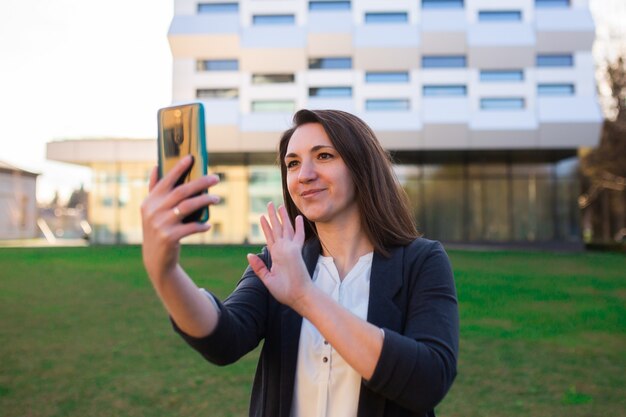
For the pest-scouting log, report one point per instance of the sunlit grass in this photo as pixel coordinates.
(84, 335)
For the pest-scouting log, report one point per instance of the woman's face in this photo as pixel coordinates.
(318, 180)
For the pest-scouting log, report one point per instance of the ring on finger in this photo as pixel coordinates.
(177, 212)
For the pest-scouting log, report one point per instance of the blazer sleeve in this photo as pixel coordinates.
(242, 321)
(418, 365)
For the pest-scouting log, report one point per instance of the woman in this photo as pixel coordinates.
(358, 314)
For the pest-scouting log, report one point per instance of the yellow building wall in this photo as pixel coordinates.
(118, 190)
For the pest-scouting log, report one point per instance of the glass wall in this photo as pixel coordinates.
(533, 191)
(264, 186)
(488, 202)
(461, 200)
(568, 188)
(442, 211)
(494, 201)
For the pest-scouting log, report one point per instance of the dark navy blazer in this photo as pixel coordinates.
(412, 297)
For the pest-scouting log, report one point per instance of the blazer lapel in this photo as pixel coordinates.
(291, 322)
(385, 282)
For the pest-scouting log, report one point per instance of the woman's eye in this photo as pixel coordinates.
(292, 164)
(325, 155)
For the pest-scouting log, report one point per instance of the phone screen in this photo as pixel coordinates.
(181, 133)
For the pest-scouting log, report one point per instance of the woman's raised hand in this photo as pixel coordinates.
(288, 280)
(162, 213)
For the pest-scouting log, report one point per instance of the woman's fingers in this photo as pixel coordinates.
(169, 180)
(186, 191)
(299, 234)
(189, 205)
(187, 229)
(286, 223)
(277, 228)
(267, 232)
(258, 266)
(164, 196)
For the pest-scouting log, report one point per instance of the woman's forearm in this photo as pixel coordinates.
(358, 342)
(193, 312)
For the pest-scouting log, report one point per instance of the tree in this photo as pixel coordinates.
(616, 74)
(604, 170)
(78, 198)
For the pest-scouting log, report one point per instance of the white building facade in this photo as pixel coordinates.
(483, 103)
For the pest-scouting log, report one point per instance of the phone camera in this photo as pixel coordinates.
(178, 135)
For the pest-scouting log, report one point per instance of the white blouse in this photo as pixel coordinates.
(325, 385)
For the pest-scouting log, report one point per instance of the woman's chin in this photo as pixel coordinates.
(313, 216)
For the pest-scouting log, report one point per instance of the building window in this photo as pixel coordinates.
(258, 203)
(387, 77)
(444, 61)
(384, 17)
(217, 229)
(273, 19)
(502, 103)
(330, 92)
(387, 104)
(444, 90)
(500, 16)
(107, 201)
(259, 106)
(329, 5)
(330, 63)
(265, 177)
(561, 60)
(218, 8)
(217, 65)
(442, 4)
(555, 89)
(273, 78)
(551, 3)
(501, 75)
(217, 93)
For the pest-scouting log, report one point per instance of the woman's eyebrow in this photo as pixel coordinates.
(318, 147)
(313, 149)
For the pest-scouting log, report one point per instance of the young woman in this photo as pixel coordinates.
(358, 313)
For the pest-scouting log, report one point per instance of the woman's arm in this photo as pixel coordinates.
(242, 323)
(162, 213)
(356, 340)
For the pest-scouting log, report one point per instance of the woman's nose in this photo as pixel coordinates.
(307, 172)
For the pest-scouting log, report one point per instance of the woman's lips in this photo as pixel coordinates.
(310, 193)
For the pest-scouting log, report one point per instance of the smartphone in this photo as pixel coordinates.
(181, 133)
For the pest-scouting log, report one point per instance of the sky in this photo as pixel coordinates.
(73, 69)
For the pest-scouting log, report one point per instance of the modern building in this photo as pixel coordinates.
(18, 204)
(483, 105)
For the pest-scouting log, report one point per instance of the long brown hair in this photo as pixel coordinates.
(383, 204)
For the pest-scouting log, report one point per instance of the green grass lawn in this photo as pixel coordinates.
(83, 334)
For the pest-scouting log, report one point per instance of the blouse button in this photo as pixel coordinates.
(325, 342)
(325, 359)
